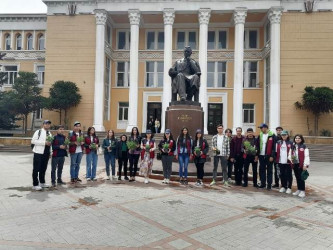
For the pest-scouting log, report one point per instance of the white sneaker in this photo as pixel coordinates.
(167, 181)
(88, 179)
(297, 192)
(108, 177)
(114, 177)
(94, 179)
(37, 188)
(164, 181)
(146, 181)
(301, 194)
(283, 190)
(44, 185)
(288, 191)
(213, 183)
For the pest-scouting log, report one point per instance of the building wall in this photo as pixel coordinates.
(306, 60)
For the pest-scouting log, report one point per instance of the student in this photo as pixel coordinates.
(299, 156)
(167, 147)
(133, 155)
(278, 137)
(122, 156)
(148, 147)
(236, 155)
(228, 132)
(42, 152)
(109, 146)
(91, 144)
(250, 157)
(200, 150)
(58, 156)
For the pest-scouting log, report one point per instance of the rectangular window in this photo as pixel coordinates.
(123, 40)
(251, 39)
(41, 74)
(123, 69)
(216, 74)
(107, 89)
(248, 113)
(186, 38)
(123, 111)
(217, 39)
(250, 75)
(154, 74)
(11, 73)
(39, 114)
(155, 40)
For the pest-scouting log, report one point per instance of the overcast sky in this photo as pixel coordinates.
(22, 6)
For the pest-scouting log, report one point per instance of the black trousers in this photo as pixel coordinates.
(57, 163)
(133, 160)
(300, 183)
(250, 160)
(122, 161)
(238, 168)
(200, 170)
(276, 174)
(265, 167)
(39, 168)
(230, 164)
(286, 175)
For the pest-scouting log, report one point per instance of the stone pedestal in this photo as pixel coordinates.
(181, 114)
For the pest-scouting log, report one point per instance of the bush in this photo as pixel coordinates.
(325, 132)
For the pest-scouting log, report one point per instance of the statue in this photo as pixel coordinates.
(185, 75)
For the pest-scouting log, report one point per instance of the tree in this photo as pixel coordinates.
(317, 101)
(3, 78)
(7, 116)
(63, 96)
(26, 95)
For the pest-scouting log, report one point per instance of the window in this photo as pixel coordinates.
(154, 74)
(41, 74)
(248, 113)
(217, 39)
(108, 34)
(7, 42)
(155, 40)
(11, 73)
(250, 75)
(39, 114)
(216, 74)
(251, 39)
(18, 42)
(123, 111)
(41, 42)
(107, 89)
(29, 42)
(123, 69)
(186, 38)
(124, 39)
(267, 32)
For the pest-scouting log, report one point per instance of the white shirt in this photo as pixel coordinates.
(283, 154)
(264, 142)
(219, 143)
(78, 147)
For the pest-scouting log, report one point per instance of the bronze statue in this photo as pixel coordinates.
(185, 75)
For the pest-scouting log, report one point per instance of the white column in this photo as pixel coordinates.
(204, 16)
(169, 17)
(34, 45)
(239, 20)
(274, 16)
(1, 40)
(134, 18)
(101, 17)
(23, 40)
(12, 41)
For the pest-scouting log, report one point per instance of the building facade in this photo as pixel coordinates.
(256, 57)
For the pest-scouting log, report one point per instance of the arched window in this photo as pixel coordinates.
(18, 42)
(29, 42)
(41, 42)
(7, 42)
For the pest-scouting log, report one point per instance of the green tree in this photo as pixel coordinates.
(26, 95)
(3, 78)
(7, 116)
(317, 101)
(63, 96)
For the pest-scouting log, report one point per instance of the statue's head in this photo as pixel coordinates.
(187, 51)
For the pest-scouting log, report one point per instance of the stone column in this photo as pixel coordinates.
(274, 16)
(12, 41)
(239, 20)
(204, 16)
(1, 40)
(134, 18)
(101, 17)
(23, 40)
(169, 17)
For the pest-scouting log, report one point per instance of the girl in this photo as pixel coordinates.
(200, 149)
(299, 156)
(91, 144)
(148, 147)
(122, 156)
(228, 132)
(183, 154)
(167, 147)
(109, 145)
(133, 155)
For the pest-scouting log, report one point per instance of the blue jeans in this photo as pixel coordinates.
(183, 164)
(91, 164)
(75, 165)
(110, 159)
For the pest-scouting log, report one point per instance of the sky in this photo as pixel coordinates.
(22, 6)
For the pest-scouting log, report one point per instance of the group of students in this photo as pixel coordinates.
(238, 152)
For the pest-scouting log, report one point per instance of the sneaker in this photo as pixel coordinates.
(119, 178)
(78, 179)
(126, 178)
(164, 181)
(276, 186)
(262, 186)
(114, 177)
(72, 180)
(288, 191)
(44, 185)
(226, 184)
(94, 179)
(197, 184)
(108, 177)
(229, 180)
(301, 194)
(167, 181)
(146, 181)
(297, 192)
(244, 185)
(185, 182)
(37, 188)
(269, 187)
(88, 179)
(283, 190)
(213, 183)
(61, 182)
(53, 184)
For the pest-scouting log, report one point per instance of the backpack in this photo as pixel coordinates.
(39, 132)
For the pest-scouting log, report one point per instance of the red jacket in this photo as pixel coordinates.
(151, 145)
(72, 145)
(88, 142)
(278, 149)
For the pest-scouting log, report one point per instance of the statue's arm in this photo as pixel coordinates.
(195, 67)
(173, 71)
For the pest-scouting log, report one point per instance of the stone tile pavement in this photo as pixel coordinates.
(119, 215)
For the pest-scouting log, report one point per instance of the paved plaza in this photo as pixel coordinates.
(117, 215)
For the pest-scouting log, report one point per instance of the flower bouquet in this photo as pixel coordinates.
(93, 146)
(67, 142)
(131, 145)
(294, 159)
(251, 150)
(197, 151)
(166, 147)
(147, 147)
(80, 139)
(50, 138)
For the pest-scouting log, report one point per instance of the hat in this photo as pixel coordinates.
(279, 127)
(263, 125)
(304, 175)
(76, 123)
(148, 131)
(198, 131)
(284, 132)
(46, 122)
(249, 130)
(167, 131)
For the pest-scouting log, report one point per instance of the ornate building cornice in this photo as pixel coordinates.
(23, 18)
(24, 55)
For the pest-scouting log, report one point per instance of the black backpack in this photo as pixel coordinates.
(39, 131)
